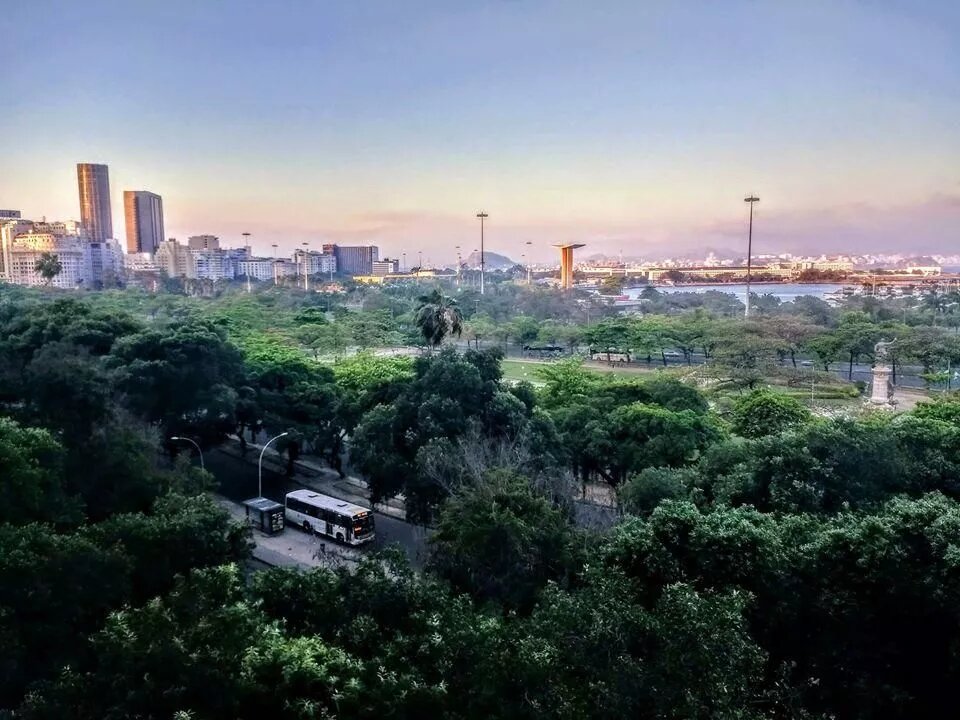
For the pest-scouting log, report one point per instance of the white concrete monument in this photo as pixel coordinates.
(881, 394)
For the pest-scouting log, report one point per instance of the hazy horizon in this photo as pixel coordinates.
(629, 128)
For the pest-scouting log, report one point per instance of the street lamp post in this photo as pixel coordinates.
(274, 257)
(246, 244)
(459, 266)
(750, 199)
(260, 463)
(176, 438)
(306, 271)
(528, 265)
(482, 215)
(403, 264)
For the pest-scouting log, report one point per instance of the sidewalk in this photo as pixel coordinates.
(293, 548)
(317, 476)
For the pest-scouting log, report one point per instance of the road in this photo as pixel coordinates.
(237, 480)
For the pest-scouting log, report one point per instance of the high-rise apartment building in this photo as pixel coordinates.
(143, 212)
(94, 184)
(354, 260)
(175, 260)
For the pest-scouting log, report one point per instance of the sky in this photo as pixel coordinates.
(634, 127)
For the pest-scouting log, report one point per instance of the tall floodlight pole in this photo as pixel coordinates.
(750, 199)
(306, 271)
(528, 265)
(403, 264)
(274, 258)
(246, 244)
(459, 266)
(483, 265)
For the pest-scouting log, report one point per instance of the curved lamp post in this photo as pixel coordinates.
(260, 464)
(199, 451)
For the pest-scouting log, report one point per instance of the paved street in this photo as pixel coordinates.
(237, 480)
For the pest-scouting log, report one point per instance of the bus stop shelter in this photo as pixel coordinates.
(265, 515)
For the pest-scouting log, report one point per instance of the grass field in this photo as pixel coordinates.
(526, 370)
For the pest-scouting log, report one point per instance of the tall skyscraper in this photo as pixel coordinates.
(94, 182)
(143, 212)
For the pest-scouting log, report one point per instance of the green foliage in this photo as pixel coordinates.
(764, 412)
(181, 378)
(365, 372)
(437, 317)
(861, 587)
(48, 267)
(502, 542)
(799, 568)
(31, 489)
(642, 493)
(57, 589)
(947, 410)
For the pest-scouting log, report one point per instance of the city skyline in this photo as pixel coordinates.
(631, 129)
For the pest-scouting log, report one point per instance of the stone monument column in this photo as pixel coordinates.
(881, 393)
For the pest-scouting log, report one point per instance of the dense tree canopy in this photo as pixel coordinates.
(770, 559)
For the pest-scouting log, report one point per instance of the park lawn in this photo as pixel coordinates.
(526, 370)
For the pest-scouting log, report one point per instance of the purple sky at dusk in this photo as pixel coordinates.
(630, 126)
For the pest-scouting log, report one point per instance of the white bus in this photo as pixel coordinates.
(330, 516)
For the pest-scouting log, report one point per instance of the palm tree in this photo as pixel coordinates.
(438, 316)
(49, 266)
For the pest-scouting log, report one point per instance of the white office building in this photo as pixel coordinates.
(72, 253)
(214, 264)
(256, 268)
(313, 262)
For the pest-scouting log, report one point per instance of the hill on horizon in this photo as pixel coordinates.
(494, 261)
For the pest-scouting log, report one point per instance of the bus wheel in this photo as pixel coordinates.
(307, 528)
(339, 537)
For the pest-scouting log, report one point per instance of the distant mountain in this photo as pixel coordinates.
(494, 261)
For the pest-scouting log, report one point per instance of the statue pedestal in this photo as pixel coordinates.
(882, 389)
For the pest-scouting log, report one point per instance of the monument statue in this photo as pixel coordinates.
(882, 391)
(882, 349)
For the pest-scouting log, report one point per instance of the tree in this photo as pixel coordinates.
(793, 332)
(764, 412)
(48, 266)
(826, 346)
(479, 327)
(502, 542)
(437, 317)
(642, 493)
(31, 488)
(613, 284)
(639, 436)
(181, 378)
(855, 336)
